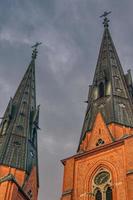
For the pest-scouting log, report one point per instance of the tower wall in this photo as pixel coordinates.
(14, 184)
(114, 159)
(19, 175)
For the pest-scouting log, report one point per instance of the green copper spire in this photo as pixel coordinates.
(111, 92)
(18, 129)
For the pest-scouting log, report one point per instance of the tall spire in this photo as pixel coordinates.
(111, 90)
(18, 129)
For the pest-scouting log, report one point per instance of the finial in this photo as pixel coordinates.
(34, 52)
(106, 20)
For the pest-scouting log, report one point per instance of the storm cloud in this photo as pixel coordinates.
(70, 32)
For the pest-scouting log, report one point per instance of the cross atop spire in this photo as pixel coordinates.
(111, 90)
(18, 128)
(34, 52)
(106, 20)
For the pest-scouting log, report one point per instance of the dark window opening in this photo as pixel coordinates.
(109, 194)
(98, 195)
(33, 136)
(101, 89)
(20, 127)
(17, 143)
(100, 142)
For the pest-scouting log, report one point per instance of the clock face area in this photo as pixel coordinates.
(102, 178)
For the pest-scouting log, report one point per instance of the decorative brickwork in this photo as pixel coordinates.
(114, 157)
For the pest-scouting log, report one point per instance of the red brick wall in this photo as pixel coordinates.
(18, 174)
(9, 190)
(32, 184)
(68, 175)
(116, 157)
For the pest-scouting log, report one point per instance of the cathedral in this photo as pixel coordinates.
(19, 178)
(102, 168)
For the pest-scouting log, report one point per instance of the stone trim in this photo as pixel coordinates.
(130, 172)
(67, 192)
(98, 149)
(11, 178)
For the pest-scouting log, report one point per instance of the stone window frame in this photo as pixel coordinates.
(103, 187)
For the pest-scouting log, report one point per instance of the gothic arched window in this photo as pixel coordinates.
(101, 89)
(102, 185)
(98, 195)
(109, 194)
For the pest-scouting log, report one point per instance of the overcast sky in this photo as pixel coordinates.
(71, 33)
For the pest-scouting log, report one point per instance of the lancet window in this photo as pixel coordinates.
(101, 89)
(98, 195)
(109, 193)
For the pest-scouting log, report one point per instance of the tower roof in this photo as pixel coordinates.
(111, 90)
(18, 129)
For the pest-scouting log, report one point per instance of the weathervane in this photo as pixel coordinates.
(34, 52)
(106, 20)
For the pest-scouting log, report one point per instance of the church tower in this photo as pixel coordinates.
(102, 168)
(19, 178)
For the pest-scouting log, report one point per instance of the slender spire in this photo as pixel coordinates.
(111, 92)
(18, 129)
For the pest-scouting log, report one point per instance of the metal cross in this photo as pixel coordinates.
(106, 20)
(34, 52)
(105, 14)
(36, 45)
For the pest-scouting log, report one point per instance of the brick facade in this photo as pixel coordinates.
(12, 181)
(102, 169)
(115, 157)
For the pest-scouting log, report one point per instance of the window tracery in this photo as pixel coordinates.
(109, 193)
(100, 142)
(102, 185)
(98, 195)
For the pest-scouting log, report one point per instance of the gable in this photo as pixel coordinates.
(98, 136)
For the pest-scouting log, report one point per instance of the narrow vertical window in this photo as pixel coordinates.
(102, 184)
(109, 194)
(101, 89)
(98, 195)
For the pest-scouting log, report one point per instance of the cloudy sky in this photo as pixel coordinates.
(71, 33)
